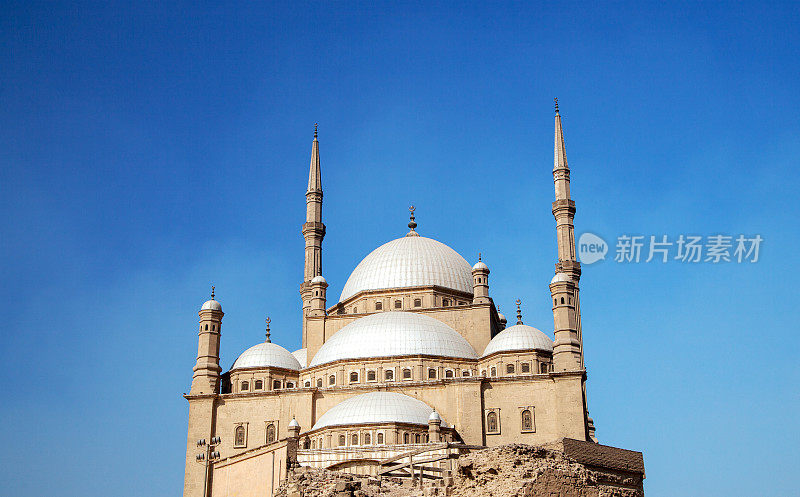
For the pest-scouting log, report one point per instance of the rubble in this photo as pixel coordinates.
(507, 471)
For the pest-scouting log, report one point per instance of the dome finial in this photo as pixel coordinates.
(479, 257)
(268, 320)
(412, 224)
(519, 312)
(212, 292)
(315, 129)
(556, 101)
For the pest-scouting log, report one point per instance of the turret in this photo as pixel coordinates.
(480, 282)
(566, 348)
(294, 429)
(313, 231)
(205, 379)
(434, 427)
(318, 288)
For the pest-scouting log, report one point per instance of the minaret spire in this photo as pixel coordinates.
(313, 229)
(567, 354)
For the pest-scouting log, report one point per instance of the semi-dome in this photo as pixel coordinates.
(388, 334)
(211, 304)
(301, 356)
(376, 407)
(266, 355)
(519, 337)
(407, 262)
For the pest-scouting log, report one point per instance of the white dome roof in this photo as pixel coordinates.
(294, 424)
(519, 337)
(560, 277)
(211, 304)
(480, 265)
(387, 334)
(410, 261)
(376, 407)
(264, 355)
(318, 279)
(301, 356)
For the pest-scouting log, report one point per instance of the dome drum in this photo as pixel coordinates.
(401, 299)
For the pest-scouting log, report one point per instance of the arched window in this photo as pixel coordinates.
(483, 372)
(206, 327)
(213, 327)
(313, 444)
(445, 302)
(527, 420)
(544, 367)
(406, 438)
(378, 306)
(417, 302)
(509, 368)
(431, 374)
(448, 373)
(307, 384)
(491, 422)
(562, 300)
(342, 441)
(289, 384)
(245, 386)
(332, 379)
(416, 438)
(525, 367)
(372, 375)
(239, 436)
(388, 375)
(367, 439)
(407, 374)
(380, 438)
(319, 382)
(354, 377)
(270, 433)
(355, 310)
(259, 385)
(493, 371)
(354, 439)
(398, 304)
(465, 373)
(276, 384)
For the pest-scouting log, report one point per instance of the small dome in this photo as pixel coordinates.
(434, 417)
(519, 337)
(319, 279)
(389, 334)
(559, 277)
(266, 355)
(294, 424)
(301, 356)
(502, 317)
(407, 262)
(376, 407)
(211, 304)
(480, 266)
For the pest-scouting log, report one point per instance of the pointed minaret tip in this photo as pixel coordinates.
(315, 125)
(560, 150)
(314, 173)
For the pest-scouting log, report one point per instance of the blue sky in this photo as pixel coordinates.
(149, 150)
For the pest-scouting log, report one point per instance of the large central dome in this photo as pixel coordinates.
(407, 262)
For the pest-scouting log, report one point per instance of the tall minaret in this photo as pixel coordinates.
(205, 377)
(313, 230)
(567, 352)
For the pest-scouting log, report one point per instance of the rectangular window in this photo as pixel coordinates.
(417, 302)
(526, 367)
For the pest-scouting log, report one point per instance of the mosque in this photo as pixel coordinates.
(413, 356)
